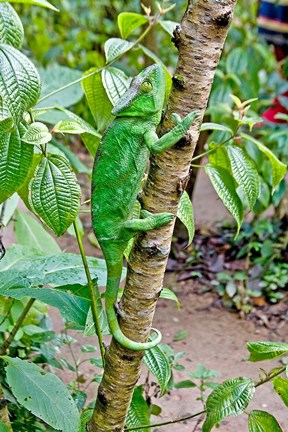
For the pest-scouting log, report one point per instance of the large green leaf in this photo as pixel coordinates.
(228, 399)
(23, 191)
(56, 270)
(224, 185)
(54, 77)
(260, 351)
(6, 120)
(129, 21)
(281, 387)
(90, 325)
(55, 193)
(15, 159)
(43, 3)
(216, 126)
(11, 29)
(168, 294)
(16, 253)
(98, 101)
(186, 215)
(76, 125)
(114, 47)
(158, 364)
(36, 134)
(42, 393)
(68, 127)
(245, 173)
(73, 308)
(115, 83)
(237, 61)
(261, 421)
(219, 157)
(89, 135)
(24, 273)
(31, 233)
(74, 160)
(19, 81)
(138, 414)
(278, 168)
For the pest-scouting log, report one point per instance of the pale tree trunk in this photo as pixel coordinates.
(200, 42)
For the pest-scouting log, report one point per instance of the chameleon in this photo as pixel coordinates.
(119, 167)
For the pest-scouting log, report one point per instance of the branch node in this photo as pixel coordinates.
(178, 81)
(223, 20)
(102, 397)
(176, 39)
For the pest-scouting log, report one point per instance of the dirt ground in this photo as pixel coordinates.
(215, 337)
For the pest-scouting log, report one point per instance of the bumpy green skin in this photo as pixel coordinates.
(119, 167)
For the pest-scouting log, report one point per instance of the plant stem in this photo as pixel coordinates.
(92, 289)
(76, 365)
(197, 166)
(270, 377)
(213, 149)
(2, 214)
(166, 422)
(198, 423)
(7, 313)
(20, 320)
(99, 69)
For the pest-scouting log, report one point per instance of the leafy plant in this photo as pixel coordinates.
(262, 245)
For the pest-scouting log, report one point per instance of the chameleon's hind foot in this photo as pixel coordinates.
(158, 218)
(150, 221)
(163, 218)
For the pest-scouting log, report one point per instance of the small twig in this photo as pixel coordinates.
(74, 359)
(92, 293)
(16, 327)
(197, 423)
(270, 377)
(165, 423)
(7, 313)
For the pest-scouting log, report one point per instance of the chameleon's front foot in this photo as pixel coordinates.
(181, 126)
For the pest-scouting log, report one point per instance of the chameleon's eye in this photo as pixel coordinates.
(146, 87)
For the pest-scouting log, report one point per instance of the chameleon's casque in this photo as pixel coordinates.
(119, 167)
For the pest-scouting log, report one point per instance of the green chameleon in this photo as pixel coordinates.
(119, 167)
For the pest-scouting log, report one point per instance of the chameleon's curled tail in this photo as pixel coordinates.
(114, 270)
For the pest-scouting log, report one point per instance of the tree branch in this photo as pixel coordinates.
(200, 42)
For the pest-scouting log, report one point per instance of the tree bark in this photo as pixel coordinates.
(200, 42)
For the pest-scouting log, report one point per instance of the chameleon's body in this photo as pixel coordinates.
(119, 167)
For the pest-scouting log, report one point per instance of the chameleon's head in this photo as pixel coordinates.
(145, 95)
